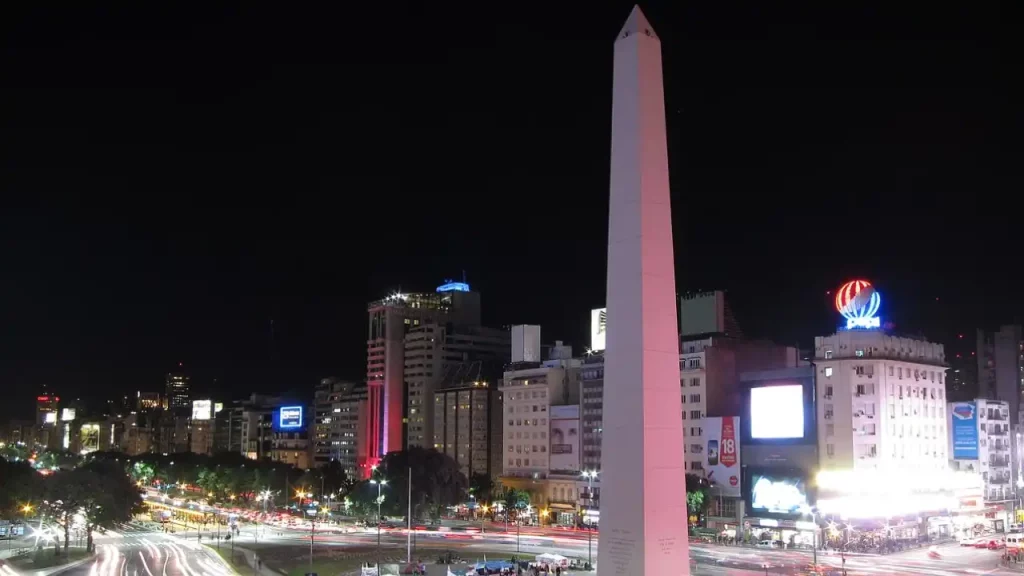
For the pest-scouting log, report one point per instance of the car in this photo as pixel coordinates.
(968, 541)
(769, 544)
(996, 544)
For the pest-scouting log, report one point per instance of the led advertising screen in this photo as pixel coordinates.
(50, 417)
(777, 493)
(201, 409)
(722, 454)
(964, 417)
(598, 328)
(290, 417)
(67, 414)
(777, 411)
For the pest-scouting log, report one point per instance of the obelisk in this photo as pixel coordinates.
(643, 482)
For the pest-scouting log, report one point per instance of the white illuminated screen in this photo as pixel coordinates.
(777, 412)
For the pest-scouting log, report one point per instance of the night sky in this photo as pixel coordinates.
(228, 186)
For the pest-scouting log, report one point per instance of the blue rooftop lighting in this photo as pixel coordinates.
(453, 287)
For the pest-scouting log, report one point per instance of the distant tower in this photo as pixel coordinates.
(178, 389)
(643, 495)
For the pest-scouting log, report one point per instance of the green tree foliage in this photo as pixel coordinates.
(437, 481)
(19, 485)
(515, 500)
(481, 486)
(111, 496)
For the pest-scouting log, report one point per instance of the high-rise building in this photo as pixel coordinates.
(178, 391)
(709, 383)
(980, 442)
(227, 429)
(1001, 367)
(531, 394)
(147, 401)
(430, 350)
(881, 402)
(389, 321)
(467, 417)
(705, 314)
(340, 412)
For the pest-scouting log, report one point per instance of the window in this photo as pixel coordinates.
(891, 370)
(694, 381)
(694, 397)
(858, 353)
(828, 411)
(695, 415)
(830, 449)
(860, 389)
(828, 354)
(828, 391)
(830, 430)
(828, 372)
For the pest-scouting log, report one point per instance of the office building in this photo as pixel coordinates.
(531, 392)
(980, 441)
(881, 402)
(177, 392)
(390, 319)
(706, 314)
(1001, 367)
(340, 413)
(709, 382)
(147, 401)
(227, 429)
(467, 417)
(431, 349)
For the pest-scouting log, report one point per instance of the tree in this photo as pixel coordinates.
(19, 485)
(437, 481)
(65, 492)
(697, 491)
(111, 496)
(481, 486)
(515, 500)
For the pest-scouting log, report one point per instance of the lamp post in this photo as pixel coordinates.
(590, 475)
(312, 530)
(380, 499)
(807, 510)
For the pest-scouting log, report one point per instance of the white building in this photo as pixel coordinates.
(881, 402)
(991, 428)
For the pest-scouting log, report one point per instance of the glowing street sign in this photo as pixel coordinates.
(858, 302)
(290, 417)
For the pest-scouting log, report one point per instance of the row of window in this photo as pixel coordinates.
(528, 422)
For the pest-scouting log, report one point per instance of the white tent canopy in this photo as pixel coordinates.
(553, 559)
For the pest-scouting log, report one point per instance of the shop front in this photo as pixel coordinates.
(783, 534)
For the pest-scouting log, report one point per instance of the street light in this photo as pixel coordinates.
(590, 475)
(808, 511)
(380, 499)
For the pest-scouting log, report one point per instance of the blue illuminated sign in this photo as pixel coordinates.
(290, 417)
(453, 287)
(965, 430)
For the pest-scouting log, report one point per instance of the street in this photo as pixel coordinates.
(150, 554)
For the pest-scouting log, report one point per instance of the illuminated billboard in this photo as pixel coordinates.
(777, 412)
(964, 428)
(289, 417)
(722, 454)
(67, 414)
(202, 409)
(565, 438)
(858, 302)
(50, 417)
(777, 493)
(598, 329)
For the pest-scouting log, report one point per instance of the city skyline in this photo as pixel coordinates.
(248, 249)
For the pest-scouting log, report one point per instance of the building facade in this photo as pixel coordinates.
(341, 414)
(390, 319)
(881, 402)
(991, 436)
(467, 426)
(1001, 367)
(178, 391)
(431, 349)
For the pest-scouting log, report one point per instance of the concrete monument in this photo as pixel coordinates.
(643, 483)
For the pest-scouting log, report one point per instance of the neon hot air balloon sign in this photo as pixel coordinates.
(858, 302)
